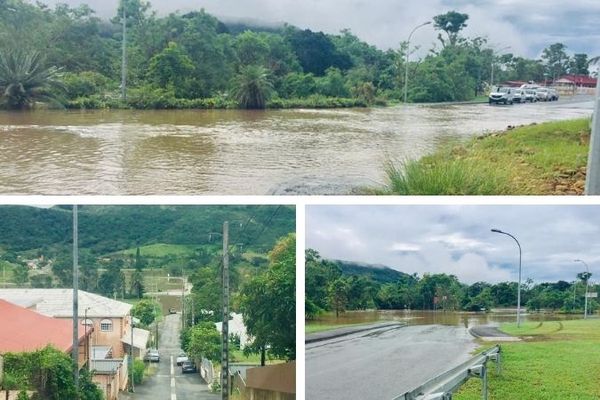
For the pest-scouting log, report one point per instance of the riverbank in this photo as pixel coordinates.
(555, 361)
(538, 159)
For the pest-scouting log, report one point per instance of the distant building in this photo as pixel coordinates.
(579, 81)
(108, 322)
(236, 327)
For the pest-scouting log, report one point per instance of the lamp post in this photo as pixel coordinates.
(519, 286)
(493, 64)
(87, 340)
(586, 287)
(406, 63)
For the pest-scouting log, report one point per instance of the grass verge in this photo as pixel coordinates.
(313, 327)
(555, 361)
(540, 159)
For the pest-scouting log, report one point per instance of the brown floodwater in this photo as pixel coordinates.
(221, 152)
(413, 317)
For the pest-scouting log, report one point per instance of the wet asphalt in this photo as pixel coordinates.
(383, 363)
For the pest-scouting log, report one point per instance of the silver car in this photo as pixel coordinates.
(152, 356)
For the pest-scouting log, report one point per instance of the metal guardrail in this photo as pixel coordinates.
(444, 385)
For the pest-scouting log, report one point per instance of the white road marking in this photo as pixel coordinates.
(172, 382)
(173, 396)
(172, 367)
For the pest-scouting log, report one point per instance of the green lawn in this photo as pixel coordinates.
(541, 159)
(555, 361)
(162, 250)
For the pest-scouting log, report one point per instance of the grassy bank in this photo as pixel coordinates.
(555, 361)
(541, 159)
(312, 327)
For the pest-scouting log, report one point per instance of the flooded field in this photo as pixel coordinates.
(466, 319)
(223, 152)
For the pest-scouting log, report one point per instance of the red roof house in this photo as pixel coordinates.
(24, 330)
(578, 80)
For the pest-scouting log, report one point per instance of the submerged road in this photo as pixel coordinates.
(382, 363)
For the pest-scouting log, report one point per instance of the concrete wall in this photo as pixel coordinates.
(275, 378)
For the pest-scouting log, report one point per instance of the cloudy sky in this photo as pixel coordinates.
(457, 239)
(526, 26)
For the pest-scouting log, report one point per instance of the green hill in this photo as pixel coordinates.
(110, 229)
(379, 273)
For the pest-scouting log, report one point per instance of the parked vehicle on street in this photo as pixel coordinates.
(188, 367)
(553, 93)
(504, 95)
(152, 356)
(519, 96)
(542, 94)
(181, 358)
(530, 96)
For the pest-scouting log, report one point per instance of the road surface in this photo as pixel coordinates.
(382, 364)
(169, 383)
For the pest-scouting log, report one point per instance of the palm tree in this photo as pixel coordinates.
(24, 79)
(252, 88)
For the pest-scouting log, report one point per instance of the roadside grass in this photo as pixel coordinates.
(541, 159)
(555, 361)
(237, 356)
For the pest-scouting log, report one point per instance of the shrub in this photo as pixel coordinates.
(138, 371)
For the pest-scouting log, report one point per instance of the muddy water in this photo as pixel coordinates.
(233, 151)
(466, 319)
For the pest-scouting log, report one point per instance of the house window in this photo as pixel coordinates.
(106, 325)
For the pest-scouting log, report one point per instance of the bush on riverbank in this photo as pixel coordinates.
(542, 159)
(557, 360)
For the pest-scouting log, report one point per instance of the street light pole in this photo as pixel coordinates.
(586, 287)
(519, 286)
(225, 323)
(124, 56)
(406, 63)
(75, 349)
(131, 356)
(592, 184)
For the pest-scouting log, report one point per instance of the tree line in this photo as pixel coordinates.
(328, 288)
(70, 57)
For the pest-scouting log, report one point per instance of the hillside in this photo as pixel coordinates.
(379, 273)
(109, 229)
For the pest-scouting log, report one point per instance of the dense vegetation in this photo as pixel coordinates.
(48, 372)
(193, 60)
(329, 289)
(120, 244)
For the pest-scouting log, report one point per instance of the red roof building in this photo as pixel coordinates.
(24, 330)
(578, 80)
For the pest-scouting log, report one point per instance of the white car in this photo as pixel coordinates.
(519, 96)
(504, 95)
(530, 96)
(542, 94)
(181, 358)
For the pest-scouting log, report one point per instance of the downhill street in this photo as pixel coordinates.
(169, 383)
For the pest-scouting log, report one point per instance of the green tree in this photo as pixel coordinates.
(252, 87)
(146, 311)
(337, 295)
(451, 23)
(251, 48)
(579, 64)
(171, 67)
(268, 302)
(41, 281)
(20, 274)
(24, 79)
(204, 341)
(556, 60)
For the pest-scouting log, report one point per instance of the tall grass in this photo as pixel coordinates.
(457, 177)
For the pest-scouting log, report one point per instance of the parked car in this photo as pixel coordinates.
(553, 94)
(172, 310)
(542, 94)
(504, 95)
(181, 358)
(530, 96)
(152, 356)
(188, 367)
(519, 96)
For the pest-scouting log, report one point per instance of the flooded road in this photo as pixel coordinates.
(449, 318)
(236, 152)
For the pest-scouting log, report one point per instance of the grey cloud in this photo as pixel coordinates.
(525, 26)
(458, 240)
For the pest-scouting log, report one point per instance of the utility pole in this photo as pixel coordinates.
(124, 56)
(75, 349)
(406, 61)
(592, 185)
(131, 355)
(225, 325)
